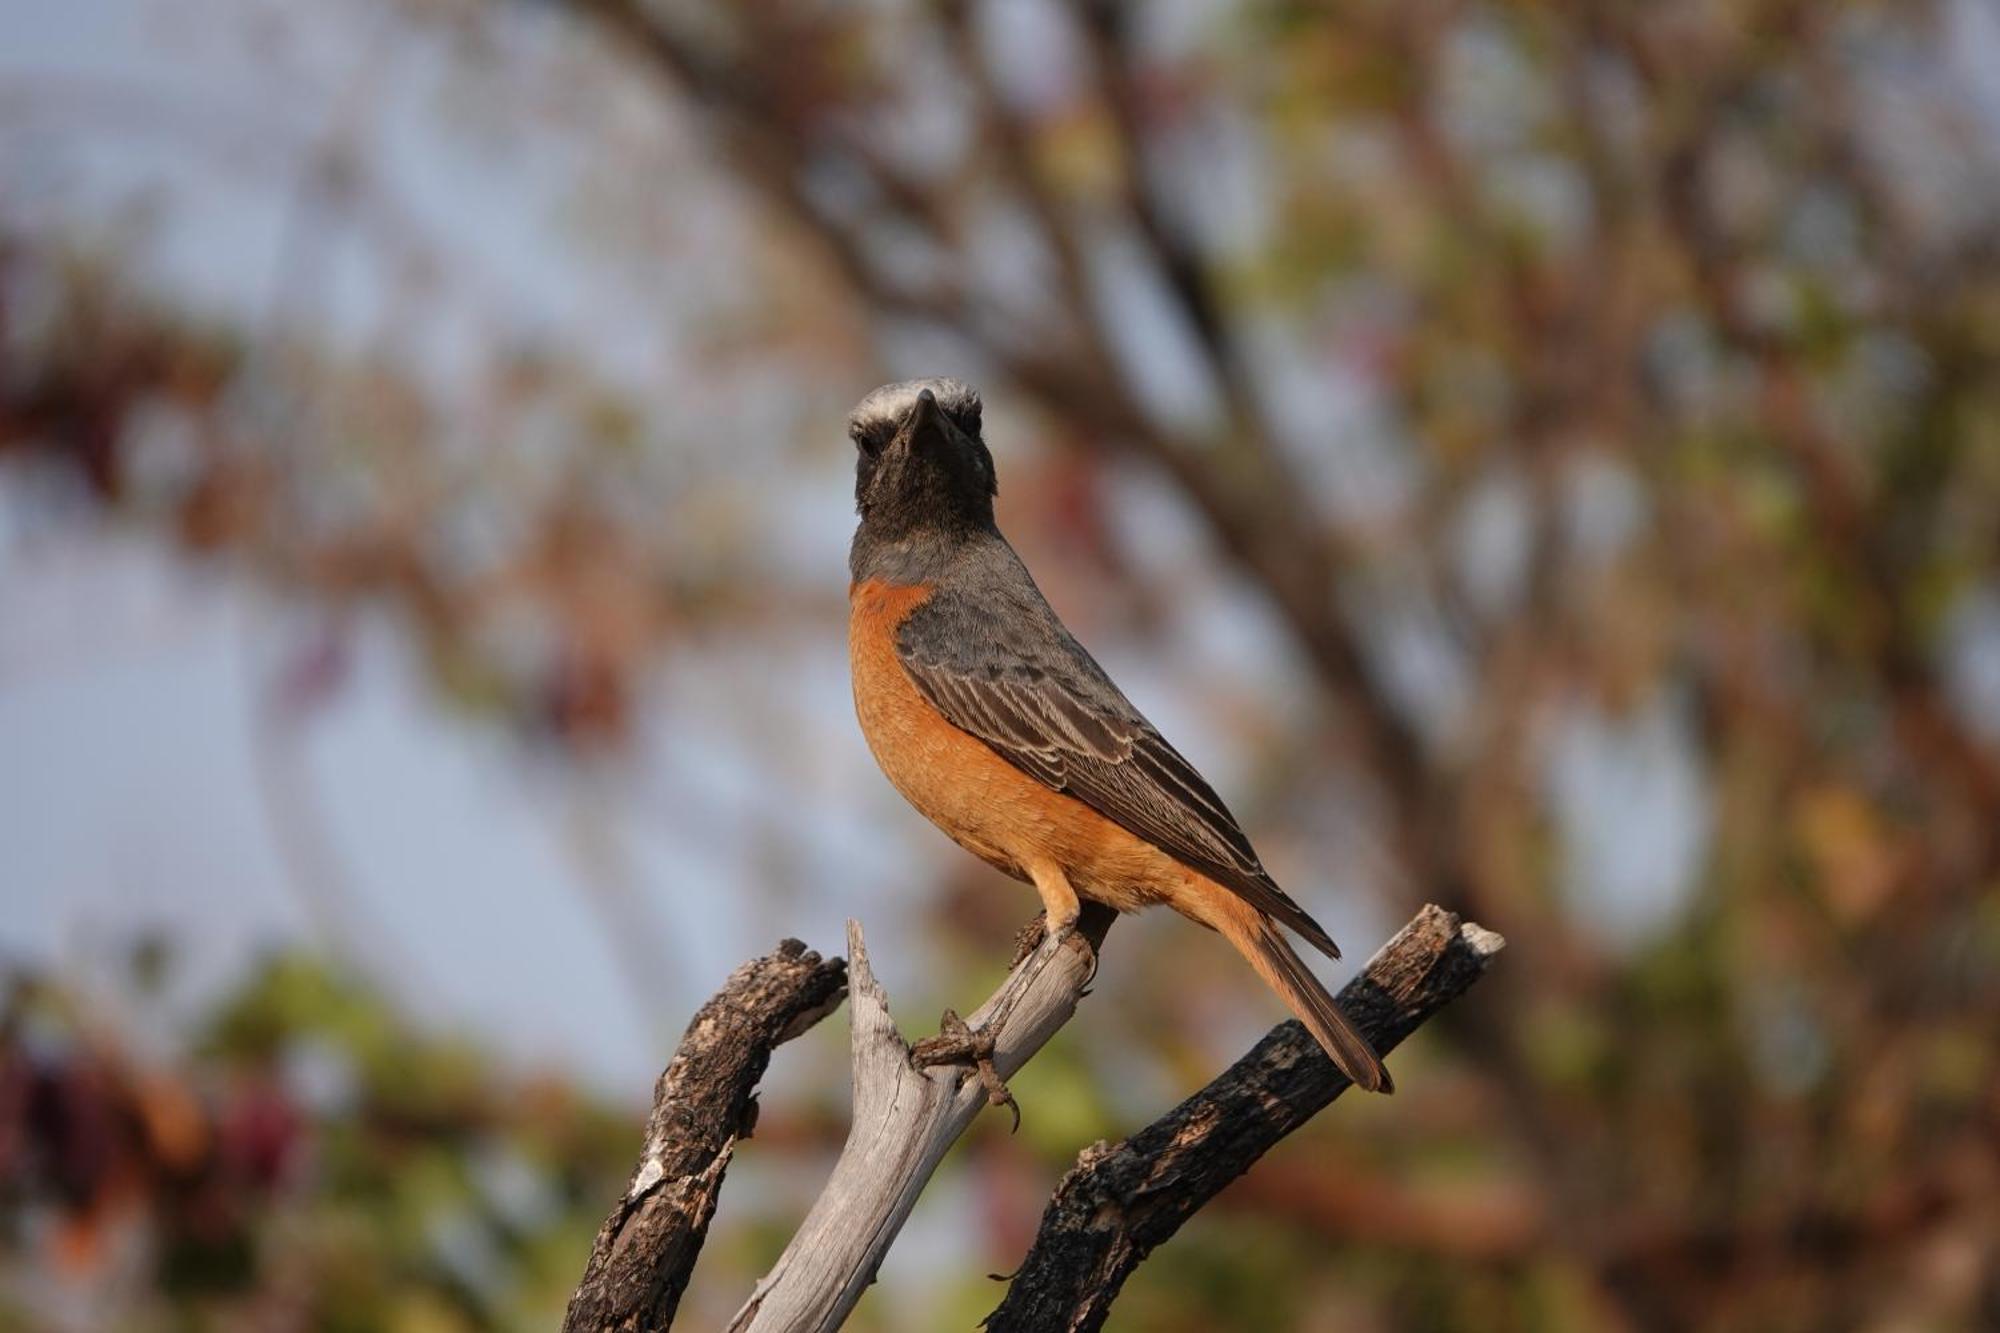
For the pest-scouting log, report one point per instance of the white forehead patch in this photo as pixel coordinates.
(892, 402)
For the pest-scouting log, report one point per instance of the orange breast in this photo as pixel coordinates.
(985, 804)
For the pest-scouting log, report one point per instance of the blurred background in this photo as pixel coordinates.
(1541, 458)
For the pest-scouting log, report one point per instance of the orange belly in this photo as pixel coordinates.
(985, 804)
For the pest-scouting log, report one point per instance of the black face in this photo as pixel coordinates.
(920, 462)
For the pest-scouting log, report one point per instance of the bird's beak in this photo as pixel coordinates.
(925, 424)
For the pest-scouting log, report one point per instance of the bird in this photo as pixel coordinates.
(987, 715)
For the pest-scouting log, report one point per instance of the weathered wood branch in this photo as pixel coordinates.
(1121, 1201)
(1107, 1215)
(704, 1102)
(905, 1119)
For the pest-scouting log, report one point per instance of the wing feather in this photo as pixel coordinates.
(1066, 725)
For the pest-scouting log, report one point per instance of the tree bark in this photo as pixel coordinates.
(1121, 1201)
(705, 1101)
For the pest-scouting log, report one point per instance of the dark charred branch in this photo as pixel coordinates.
(1122, 1200)
(704, 1102)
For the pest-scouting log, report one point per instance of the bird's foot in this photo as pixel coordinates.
(1028, 939)
(956, 1043)
(1031, 937)
(1072, 930)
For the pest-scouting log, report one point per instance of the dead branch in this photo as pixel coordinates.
(704, 1102)
(1109, 1212)
(1121, 1201)
(905, 1119)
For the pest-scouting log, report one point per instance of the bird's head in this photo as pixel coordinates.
(920, 461)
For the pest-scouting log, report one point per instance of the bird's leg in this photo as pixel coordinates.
(1060, 905)
(957, 1043)
(1061, 911)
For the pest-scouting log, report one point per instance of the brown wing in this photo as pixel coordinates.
(1057, 717)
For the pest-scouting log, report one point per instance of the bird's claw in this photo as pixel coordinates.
(957, 1043)
(1032, 936)
(1028, 939)
(1072, 930)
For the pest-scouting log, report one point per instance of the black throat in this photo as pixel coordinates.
(920, 552)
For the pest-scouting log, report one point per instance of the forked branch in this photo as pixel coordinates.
(1107, 1215)
(905, 1119)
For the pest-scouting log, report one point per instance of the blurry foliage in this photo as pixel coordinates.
(1590, 385)
(311, 1162)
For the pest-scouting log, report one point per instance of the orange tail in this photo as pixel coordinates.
(1256, 937)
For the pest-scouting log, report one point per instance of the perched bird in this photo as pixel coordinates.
(990, 718)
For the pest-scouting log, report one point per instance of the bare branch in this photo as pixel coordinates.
(1121, 1201)
(704, 1102)
(905, 1119)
